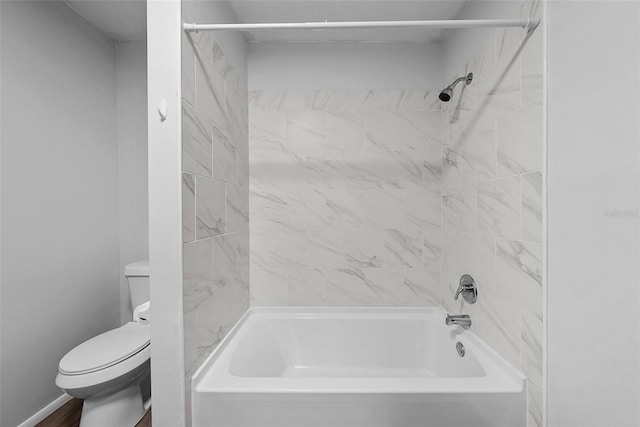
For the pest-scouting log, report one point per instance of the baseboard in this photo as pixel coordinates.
(46, 411)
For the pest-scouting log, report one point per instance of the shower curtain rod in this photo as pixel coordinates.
(528, 23)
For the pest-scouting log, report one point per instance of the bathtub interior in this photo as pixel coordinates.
(355, 348)
(354, 367)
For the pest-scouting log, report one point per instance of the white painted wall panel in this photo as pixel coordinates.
(165, 216)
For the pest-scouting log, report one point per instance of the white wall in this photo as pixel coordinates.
(59, 197)
(359, 66)
(133, 217)
(593, 247)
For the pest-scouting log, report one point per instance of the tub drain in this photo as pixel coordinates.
(460, 349)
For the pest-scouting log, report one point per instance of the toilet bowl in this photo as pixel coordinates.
(108, 370)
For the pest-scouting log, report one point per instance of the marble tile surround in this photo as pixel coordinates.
(492, 185)
(385, 197)
(215, 197)
(345, 200)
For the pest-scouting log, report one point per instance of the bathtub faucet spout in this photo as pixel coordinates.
(460, 320)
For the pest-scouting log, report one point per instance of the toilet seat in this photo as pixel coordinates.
(106, 357)
(106, 349)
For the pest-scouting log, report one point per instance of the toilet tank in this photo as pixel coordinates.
(137, 274)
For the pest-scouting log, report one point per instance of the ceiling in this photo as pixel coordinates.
(120, 20)
(125, 20)
(249, 11)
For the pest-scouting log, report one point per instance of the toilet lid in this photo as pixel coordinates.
(106, 349)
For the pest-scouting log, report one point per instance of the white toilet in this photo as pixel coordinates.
(108, 370)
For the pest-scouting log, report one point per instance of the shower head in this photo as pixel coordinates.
(447, 93)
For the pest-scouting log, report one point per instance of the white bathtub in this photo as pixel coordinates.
(298, 367)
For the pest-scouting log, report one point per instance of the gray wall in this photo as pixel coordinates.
(59, 196)
(593, 229)
(131, 64)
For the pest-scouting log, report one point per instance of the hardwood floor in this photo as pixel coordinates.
(146, 420)
(68, 415)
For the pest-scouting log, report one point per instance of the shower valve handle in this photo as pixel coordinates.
(468, 289)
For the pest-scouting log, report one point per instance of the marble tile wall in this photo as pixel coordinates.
(215, 197)
(345, 200)
(492, 199)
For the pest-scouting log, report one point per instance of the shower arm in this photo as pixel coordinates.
(466, 78)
